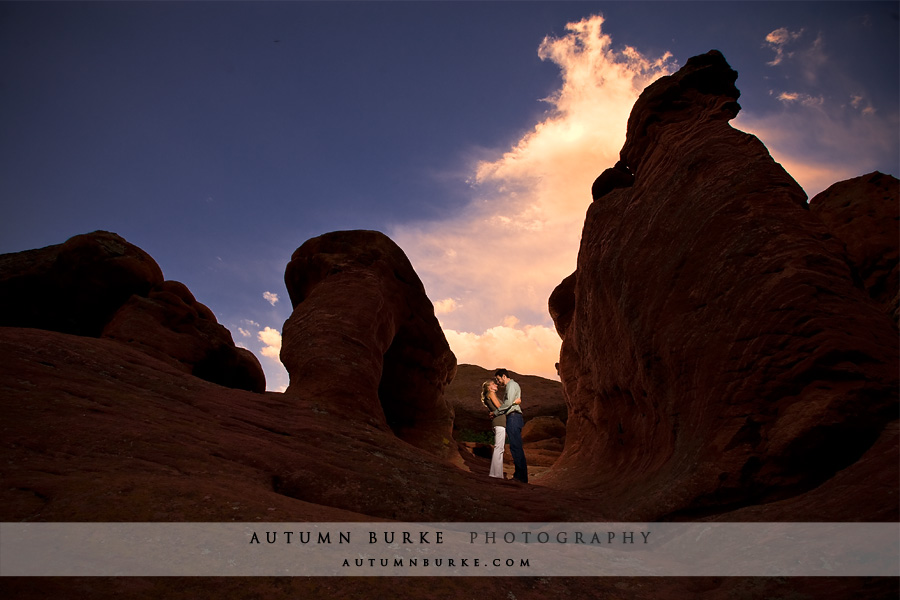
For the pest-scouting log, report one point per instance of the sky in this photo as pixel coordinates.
(219, 136)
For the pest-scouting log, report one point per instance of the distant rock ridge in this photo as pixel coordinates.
(99, 285)
(718, 350)
(363, 339)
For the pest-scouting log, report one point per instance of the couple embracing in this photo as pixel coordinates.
(507, 419)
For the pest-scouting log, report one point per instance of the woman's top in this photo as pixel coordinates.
(491, 397)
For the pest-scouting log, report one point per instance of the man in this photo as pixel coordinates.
(512, 400)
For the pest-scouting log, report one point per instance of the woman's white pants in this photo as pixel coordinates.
(497, 458)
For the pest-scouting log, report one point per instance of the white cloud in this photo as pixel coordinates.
(276, 375)
(519, 236)
(270, 297)
(272, 340)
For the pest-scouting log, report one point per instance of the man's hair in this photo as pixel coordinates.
(501, 373)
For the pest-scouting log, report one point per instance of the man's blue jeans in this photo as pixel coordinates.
(514, 423)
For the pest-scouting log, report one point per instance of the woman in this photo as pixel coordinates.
(492, 403)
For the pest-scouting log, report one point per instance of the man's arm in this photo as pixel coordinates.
(509, 398)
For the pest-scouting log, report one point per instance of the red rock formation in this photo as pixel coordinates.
(98, 284)
(95, 430)
(363, 338)
(74, 287)
(716, 351)
(543, 439)
(169, 324)
(562, 306)
(864, 214)
(543, 428)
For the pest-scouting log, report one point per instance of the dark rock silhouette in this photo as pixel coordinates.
(716, 351)
(864, 214)
(363, 337)
(98, 284)
(613, 178)
(562, 306)
(171, 325)
(74, 287)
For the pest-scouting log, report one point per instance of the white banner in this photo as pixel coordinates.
(450, 549)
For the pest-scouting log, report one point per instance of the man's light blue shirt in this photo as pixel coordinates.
(513, 393)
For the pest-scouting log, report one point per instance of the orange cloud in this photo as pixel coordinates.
(778, 39)
(446, 306)
(519, 236)
(532, 349)
(804, 99)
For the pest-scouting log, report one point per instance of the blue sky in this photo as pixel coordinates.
(219, 136)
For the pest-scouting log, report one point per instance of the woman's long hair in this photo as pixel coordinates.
(484, 395)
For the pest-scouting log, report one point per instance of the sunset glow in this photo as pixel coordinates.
(519, 236)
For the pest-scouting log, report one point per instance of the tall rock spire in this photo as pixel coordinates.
(717, 351)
